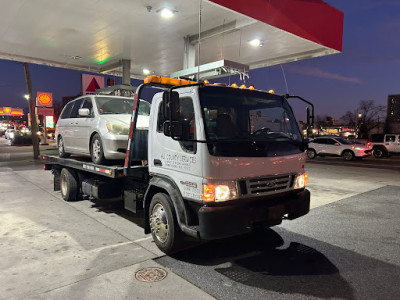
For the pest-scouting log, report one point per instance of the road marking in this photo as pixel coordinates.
(143, 239)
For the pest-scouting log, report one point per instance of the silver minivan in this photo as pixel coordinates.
(98, 126)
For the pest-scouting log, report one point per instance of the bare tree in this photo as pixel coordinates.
(370, 115)
(349, 119)
(366, 117)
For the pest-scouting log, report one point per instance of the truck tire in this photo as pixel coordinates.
(311, 154)
(60, 146)
(96, 150)
(379, 152)
(163, 224)
(348, 155)
(68, 185)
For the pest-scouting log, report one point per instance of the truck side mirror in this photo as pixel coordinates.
(303, 146)
(171, 105)
(174, 129)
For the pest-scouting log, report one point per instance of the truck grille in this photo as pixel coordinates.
(266, 185)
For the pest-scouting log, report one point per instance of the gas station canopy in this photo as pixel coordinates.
(97, 36)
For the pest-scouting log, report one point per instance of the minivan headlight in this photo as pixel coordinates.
(117, 128)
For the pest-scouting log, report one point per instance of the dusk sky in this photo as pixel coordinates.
(367, 69)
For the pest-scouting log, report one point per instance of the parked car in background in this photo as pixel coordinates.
(98, 126)
(9, 134)
(384, 144)
(336, 146)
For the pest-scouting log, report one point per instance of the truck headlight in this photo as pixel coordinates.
(218, 192)
(117, 128)
(301, 181)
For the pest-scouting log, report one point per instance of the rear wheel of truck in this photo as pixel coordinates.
(163, 224)
(379, 152)
(68, 185)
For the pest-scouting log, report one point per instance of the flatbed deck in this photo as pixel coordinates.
(112, 171)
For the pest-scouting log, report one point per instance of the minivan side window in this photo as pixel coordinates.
(75, 108)
(67, 110)
(88, 104)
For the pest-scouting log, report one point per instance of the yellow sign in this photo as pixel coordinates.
(44, 99)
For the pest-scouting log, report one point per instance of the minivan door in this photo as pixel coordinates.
(83, 127)
(73, 125)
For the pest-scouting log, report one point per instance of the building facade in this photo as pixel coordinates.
(393, 114)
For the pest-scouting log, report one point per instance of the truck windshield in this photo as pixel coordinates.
(248, 123)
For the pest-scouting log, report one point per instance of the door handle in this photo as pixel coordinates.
(157, 162)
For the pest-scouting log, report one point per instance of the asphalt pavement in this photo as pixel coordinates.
(347, 247)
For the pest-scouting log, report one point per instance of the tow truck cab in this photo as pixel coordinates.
(225, 160)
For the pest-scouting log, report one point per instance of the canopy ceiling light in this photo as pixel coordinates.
(167, 13)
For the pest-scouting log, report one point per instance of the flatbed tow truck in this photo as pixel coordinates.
(216, 161)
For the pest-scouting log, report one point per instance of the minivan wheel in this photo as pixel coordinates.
(348, 155)
(61, 151)
(96, 150)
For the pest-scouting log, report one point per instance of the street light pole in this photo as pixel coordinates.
(34, 127)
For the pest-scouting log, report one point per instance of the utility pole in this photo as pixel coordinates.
(34, 127)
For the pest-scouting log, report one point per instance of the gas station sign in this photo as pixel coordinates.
(10, 111)
(44, 99)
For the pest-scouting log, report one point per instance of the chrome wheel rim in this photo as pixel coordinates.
(63, 183)
(96, 149)
(159, 223)
(310, 154)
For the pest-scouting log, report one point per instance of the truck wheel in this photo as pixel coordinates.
(348, 155)
(68, 185)
(311, 154)
(378, 152)
(96, 150)
(61, 151)
(163, 224)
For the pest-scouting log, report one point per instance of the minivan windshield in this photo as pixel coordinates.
(248, 123)
(109, 105)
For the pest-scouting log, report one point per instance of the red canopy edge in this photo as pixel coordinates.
(313, 20)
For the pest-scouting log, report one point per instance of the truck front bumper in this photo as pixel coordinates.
(225, 221)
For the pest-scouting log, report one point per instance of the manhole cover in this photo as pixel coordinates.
(151, 274)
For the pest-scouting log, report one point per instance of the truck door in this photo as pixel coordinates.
(178, 160)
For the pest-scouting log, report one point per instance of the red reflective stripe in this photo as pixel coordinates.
(126, 158)
(134, 104)
(130, 131)
(102, 170)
